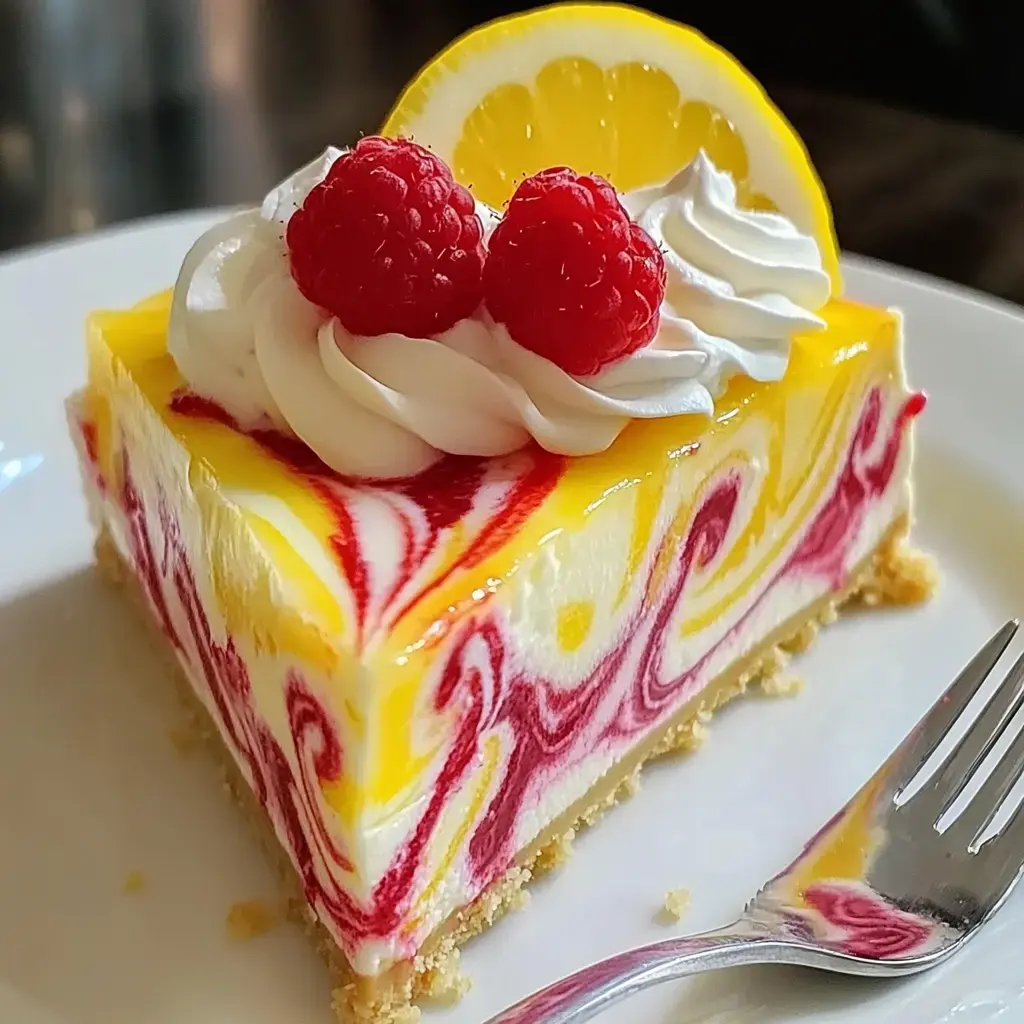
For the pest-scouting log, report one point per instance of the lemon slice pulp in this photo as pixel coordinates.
(612, 90)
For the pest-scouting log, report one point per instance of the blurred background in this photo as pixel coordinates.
(116, 109)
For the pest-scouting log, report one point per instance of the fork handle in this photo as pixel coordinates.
(588, 992)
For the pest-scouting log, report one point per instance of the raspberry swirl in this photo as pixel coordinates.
(244, 334)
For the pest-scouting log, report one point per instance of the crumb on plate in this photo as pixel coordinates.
(133, 882)
(909, 578)
(249, 918)
(781, 685)
(677, 902)
(447, 985)
(699, 730)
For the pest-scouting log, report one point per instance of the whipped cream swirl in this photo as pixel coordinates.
(739, 285)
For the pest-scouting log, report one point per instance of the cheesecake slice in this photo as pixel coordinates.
(423, 686)
(452, 512)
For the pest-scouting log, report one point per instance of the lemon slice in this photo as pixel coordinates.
(611, 90)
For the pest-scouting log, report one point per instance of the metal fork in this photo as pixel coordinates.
(880, 890)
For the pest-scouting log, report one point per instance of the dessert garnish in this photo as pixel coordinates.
(389, 242)
(570, 276)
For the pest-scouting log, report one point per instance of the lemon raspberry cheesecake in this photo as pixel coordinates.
(489, 455)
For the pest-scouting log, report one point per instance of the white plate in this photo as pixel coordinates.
(91, 786)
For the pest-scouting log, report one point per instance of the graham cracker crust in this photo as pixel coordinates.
(894, 574)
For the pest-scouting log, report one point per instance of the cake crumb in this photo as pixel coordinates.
(403, 1015)
(676, 904)
(630, 785)
(445, 984)
(519, 900)
(904, 577)
(830, 613)
(556, 853)
(133, 882)
(699, 731)
(781, 685)
(803, 639)
(773, 663)
(249, 918)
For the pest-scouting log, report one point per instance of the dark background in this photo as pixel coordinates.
(114, 109)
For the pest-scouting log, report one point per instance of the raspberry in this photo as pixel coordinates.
(388, 242)
(570, 276)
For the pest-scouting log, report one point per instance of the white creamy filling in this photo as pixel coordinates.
(740, 284)
(581, 574)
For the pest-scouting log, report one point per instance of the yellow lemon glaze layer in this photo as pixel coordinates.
(393, 662)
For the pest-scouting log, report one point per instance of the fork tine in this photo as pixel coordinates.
(933, 728)
(968, 828)
(976, 744)
(1006, 847)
